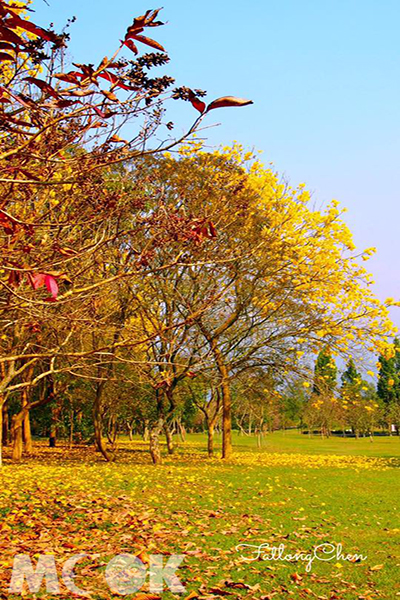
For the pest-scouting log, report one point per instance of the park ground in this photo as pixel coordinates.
(296, 490)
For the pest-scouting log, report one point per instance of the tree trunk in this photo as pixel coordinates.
(250, 423)
(21, 425)
(53, 432)
(71, 428)
(226, 401)
(182, 431)
(154, 436)
(17, 423)
(4, 433)
(52, 397)
(168, 438)
(78, 427)
(26, 424)
(112, 432)
(210, 437)
(97, 422)
(27, 433)
(145, 431)
(226, 415)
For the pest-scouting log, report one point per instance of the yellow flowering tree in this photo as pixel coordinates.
(282, 279)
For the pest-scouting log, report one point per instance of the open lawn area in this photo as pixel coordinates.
(296, 490)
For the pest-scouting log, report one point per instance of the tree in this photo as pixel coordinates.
(388, 387)
(350, 376)
(65, 204)
(325, 373)
(271, 279)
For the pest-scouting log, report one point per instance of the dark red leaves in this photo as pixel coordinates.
(225, 101)
(45, 87)
(24, 101)
(129, 44)
(114, 80)
(88, 72)
(71, 77)
(134, 31)
(203, 229)
(4, 56)
(213, 231)
(103, 115)
(65, 103)
(16, 21)
(196, 102)
(146, 20)
(14, 279)
(9, 36)
(7, 223)
(147, 41)
(228, 101)
(99, 112)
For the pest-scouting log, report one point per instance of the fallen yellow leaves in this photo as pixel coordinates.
(312, 461)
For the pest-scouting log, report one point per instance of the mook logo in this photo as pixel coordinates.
(125, 574)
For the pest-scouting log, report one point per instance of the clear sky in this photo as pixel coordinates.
(324, 76)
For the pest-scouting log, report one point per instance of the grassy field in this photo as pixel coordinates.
(296, 490)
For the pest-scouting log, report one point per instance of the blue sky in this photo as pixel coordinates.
(324, 76)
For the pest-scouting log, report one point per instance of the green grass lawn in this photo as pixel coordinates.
(296, 490)
(293, 441)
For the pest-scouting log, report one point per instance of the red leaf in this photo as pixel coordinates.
(114, 80)
(65, 103)
(87, 72)
(213, 231)
(15, 96)
(5, 56)
(133, 29)
(16, 21)
(147, 41)
(37, 280)
(14, 279)
(228, 101)
(198, 105)
(51, 285)
(45, 87)
(7, 223)
(99, 112)
(131, 46)
(196, 102)
(9, 36)
(71, 77)
(146, 20)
